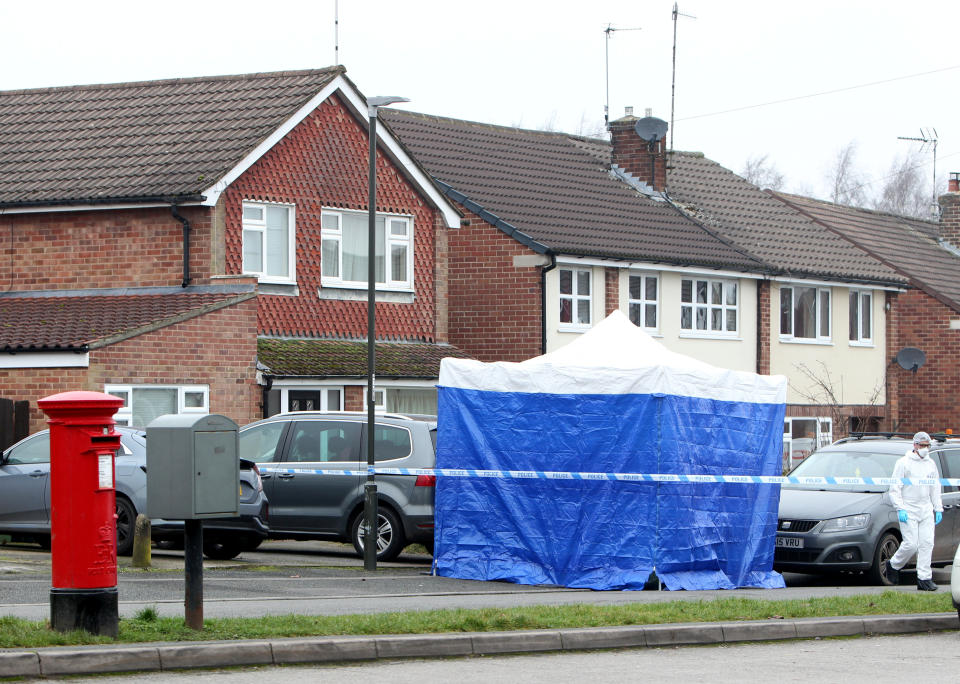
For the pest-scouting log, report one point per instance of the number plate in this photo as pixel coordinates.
(790, 542)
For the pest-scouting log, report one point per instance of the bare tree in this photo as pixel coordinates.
(760, 171)
(904, 190)
(827, 393)
(846, 182)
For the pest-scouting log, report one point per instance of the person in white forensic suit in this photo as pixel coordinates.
(919, 508)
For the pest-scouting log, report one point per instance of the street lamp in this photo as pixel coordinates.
(370, 488)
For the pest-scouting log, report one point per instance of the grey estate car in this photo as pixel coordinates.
(305, 505)
(25, 499)
(854, 528)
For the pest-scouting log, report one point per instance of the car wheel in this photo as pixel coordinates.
(389, 534)
(222, 549)
(252, 543)
(884, 552)
(126, 519)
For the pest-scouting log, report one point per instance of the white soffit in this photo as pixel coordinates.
(45, 360)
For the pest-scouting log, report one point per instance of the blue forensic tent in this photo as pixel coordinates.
(613, 401)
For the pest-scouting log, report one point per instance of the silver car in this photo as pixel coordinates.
(854, 528)
(309, 505)
(25, 499)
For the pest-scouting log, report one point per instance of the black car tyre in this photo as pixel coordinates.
(252, 543)
(881, 556)
(126, 519)
(223, 549)
(390, 540)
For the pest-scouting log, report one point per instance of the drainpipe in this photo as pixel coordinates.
(186, 244)
(543, 302)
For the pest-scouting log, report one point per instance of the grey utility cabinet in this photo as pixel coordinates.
(193, 467)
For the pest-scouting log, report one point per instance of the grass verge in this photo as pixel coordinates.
(147, 626)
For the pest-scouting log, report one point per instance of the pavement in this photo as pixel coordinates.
(146, 657)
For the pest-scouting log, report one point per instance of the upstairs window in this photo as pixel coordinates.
(805, 313)
(642, 301)
(708, 306)
(268, 232)
(344, 250)
(861, 317)
(575, 297)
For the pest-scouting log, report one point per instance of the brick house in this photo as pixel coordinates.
(926, 316)
(197, 245)
(560, 230)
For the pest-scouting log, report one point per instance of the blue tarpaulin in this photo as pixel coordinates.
(615, 401)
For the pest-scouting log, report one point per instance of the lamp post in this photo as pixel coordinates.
(370, 488)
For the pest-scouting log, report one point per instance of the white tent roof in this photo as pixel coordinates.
(615, 357)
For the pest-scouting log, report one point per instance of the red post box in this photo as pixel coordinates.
(83, 511)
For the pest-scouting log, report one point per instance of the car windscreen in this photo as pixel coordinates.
(841, 463)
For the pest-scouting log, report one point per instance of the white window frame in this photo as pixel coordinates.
(820, 336)
(575, 298)
(124, 414)
(331, 235)
(824, 435)
(643, 302)
(709, 306)
(259, 227)
(864, 299)
(380, 392)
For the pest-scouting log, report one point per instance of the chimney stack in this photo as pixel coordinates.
(950, 211)
(642, 159)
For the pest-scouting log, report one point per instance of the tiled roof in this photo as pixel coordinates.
(907, 244)
(140, 140)
(554, 189)
(75, 322)
(764, 226)
(290, 357)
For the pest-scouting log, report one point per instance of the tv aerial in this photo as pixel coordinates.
(609, 32)
(911, 359)
(928, 138)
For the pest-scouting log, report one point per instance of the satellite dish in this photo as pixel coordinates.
(651, 129)
(911, 358)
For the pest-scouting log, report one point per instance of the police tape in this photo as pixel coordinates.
(614, 477)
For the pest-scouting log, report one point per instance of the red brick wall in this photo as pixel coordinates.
(323, 162)
(763, 327)
(893, 304)
(631, 153)
(217, 349)
(494, 306)
(611, 280)
(950, 217)
(928, 398)
(96, 249)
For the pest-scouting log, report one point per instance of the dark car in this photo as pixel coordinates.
(25, 498)
(854, 528)
(307, 505)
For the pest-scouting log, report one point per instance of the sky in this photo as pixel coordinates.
(795, 81)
